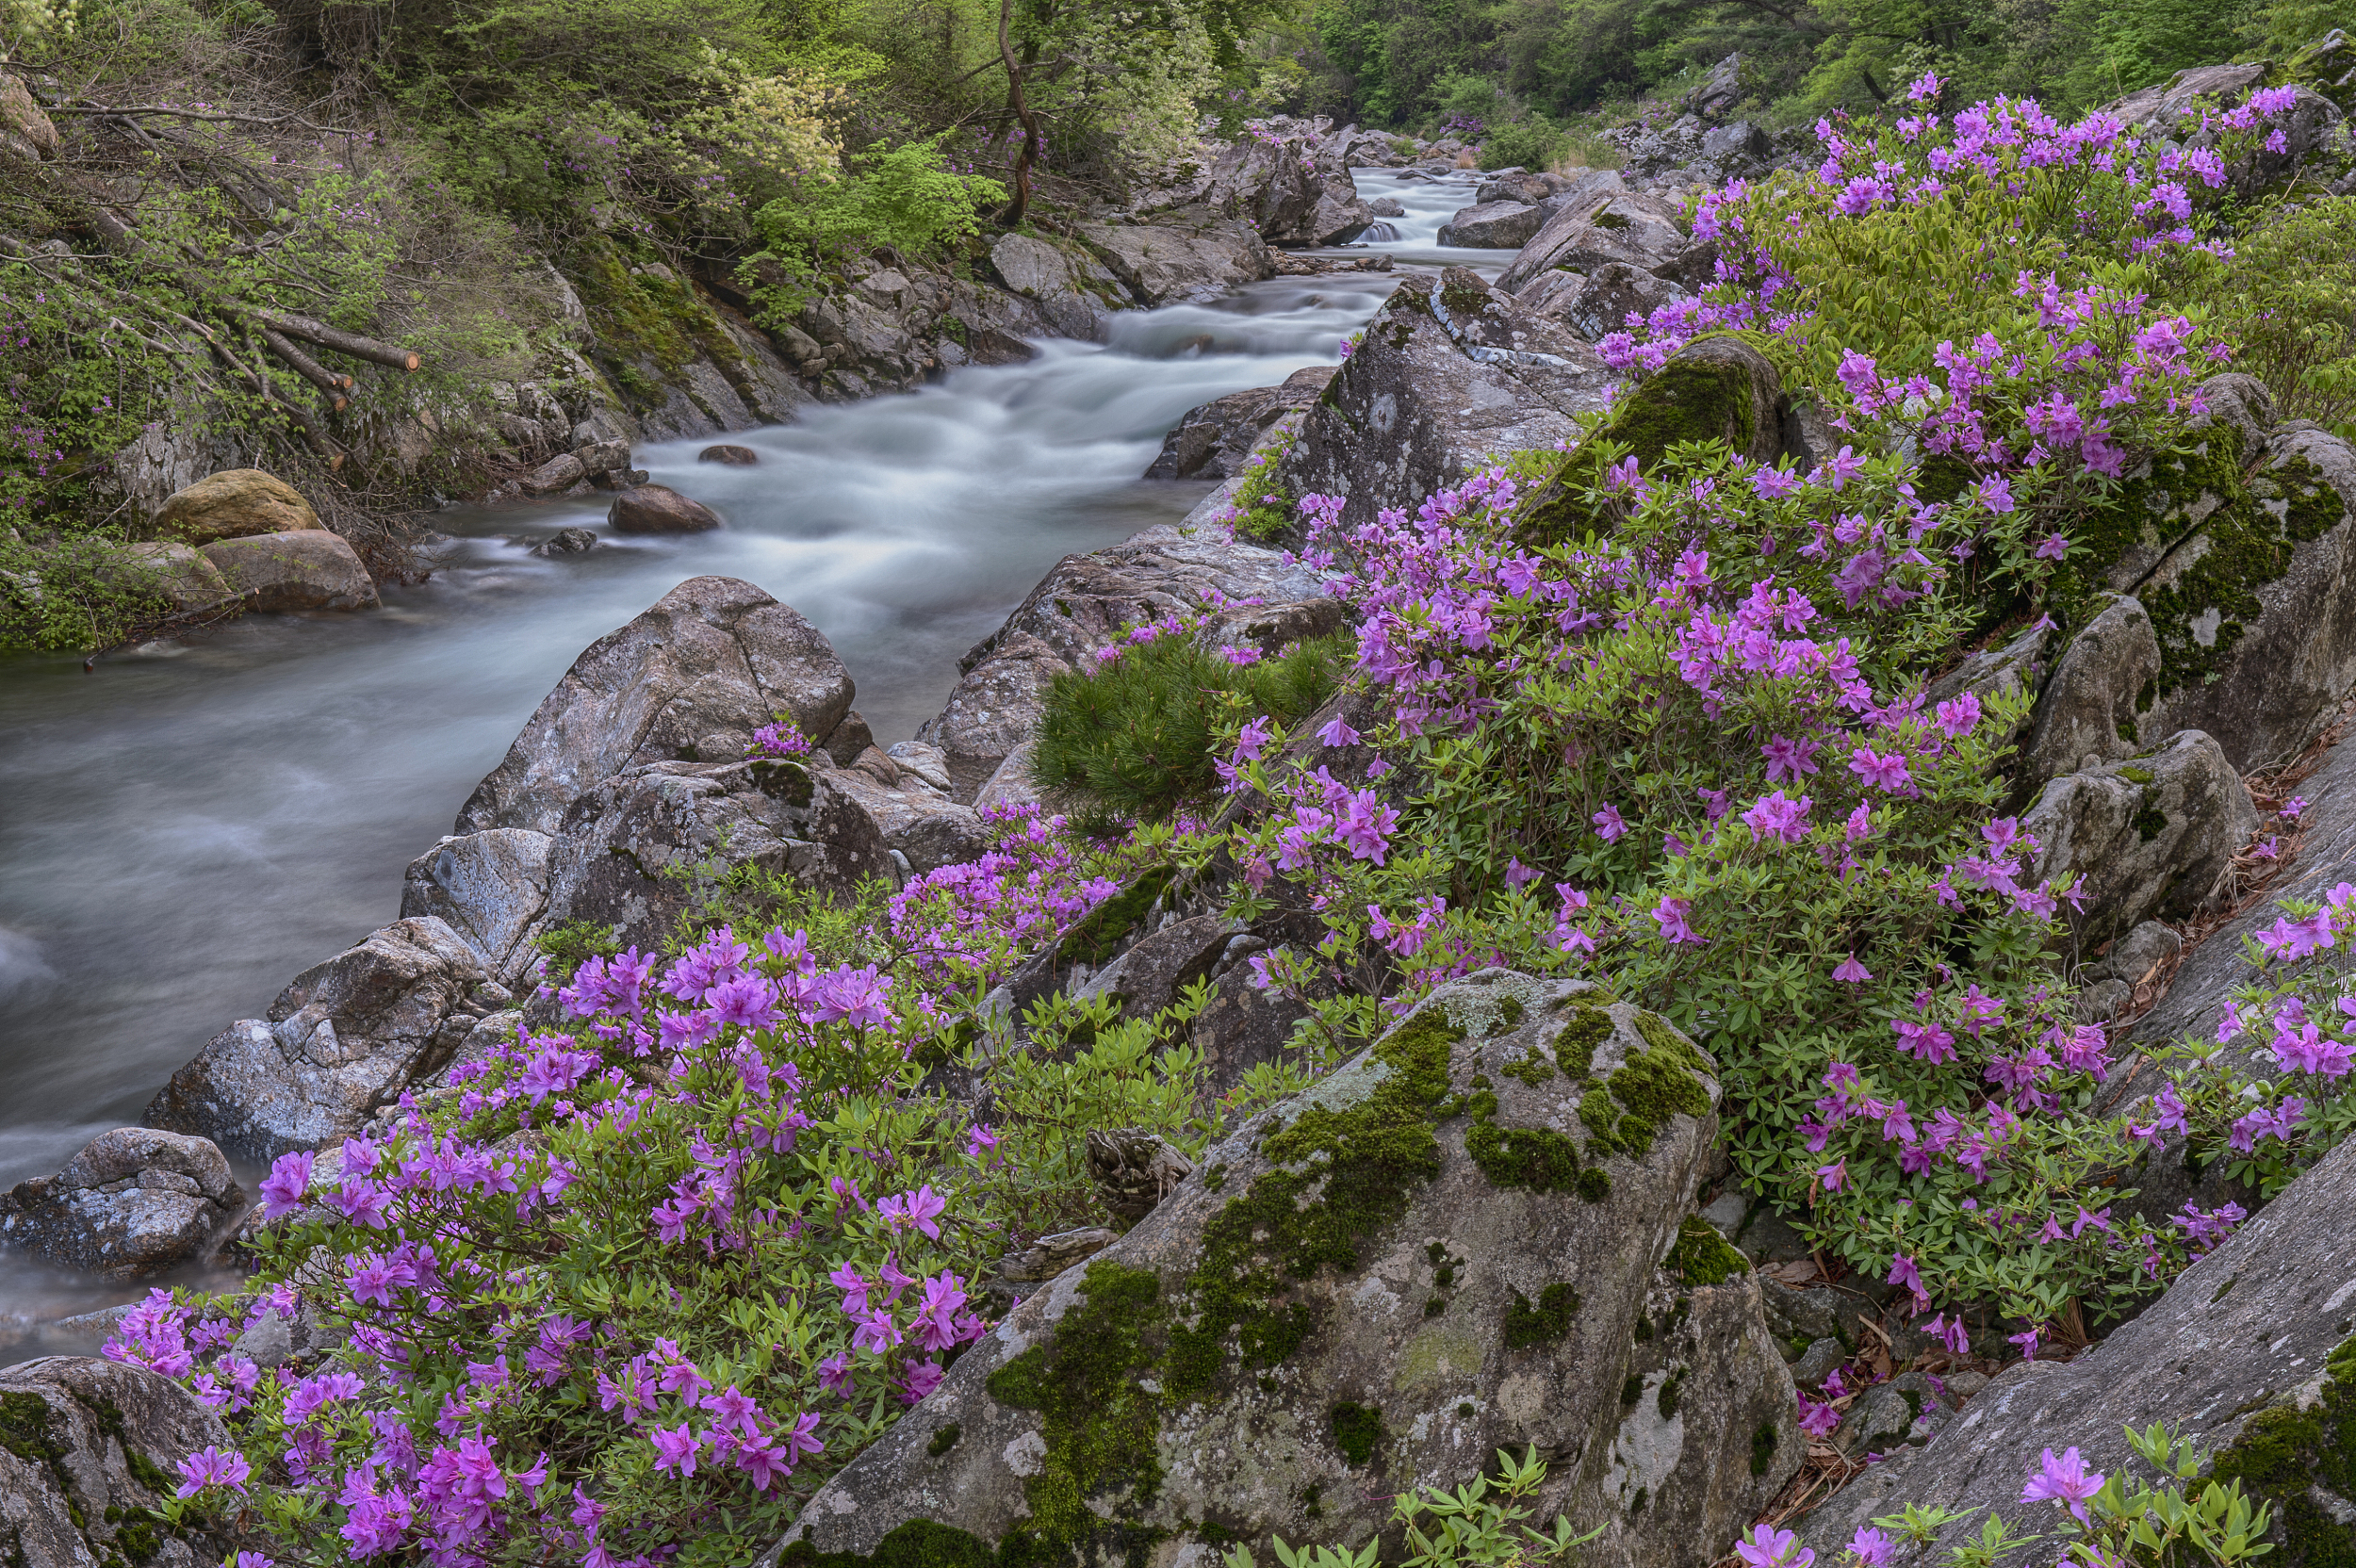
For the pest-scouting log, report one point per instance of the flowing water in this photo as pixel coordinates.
(189, 825)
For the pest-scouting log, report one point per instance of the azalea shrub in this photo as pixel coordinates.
(642, 1282)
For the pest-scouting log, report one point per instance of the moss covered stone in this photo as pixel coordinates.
(1645, 1091)
(1098, 934)
(1101, 1424)
(2284, 1455)
(1575, 1047)
(1355, 1169)
(1722, 388)
(1701, 1256)
(1544, 1323)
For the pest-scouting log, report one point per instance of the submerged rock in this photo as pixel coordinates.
(345, 1036)
(1474, 1236)
(135, 1201)
(729, 456)
(90, 1455)
(2247, 1354)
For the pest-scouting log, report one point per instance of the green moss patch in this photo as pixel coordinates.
(1701, 1256)
(1645, 1091)
(1102, 1425)
(1356, 1430)
(1542, 1324)
(1099, 933)
(2283, 1453)
(1355, 1170)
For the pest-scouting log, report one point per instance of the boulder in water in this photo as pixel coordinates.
(234, 504)
(659, 508)
(1431, 1257)
(1387, 206)
(1214, 440)
(731, 456)
(1493, 226)
(345, 1036)
(312, 569)
(568, 541)
(135, 1201)
(189, 584)
(688, 681)
(1192, 255)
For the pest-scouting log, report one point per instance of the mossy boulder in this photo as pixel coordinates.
(88, 1456)
(1724, 387)
(2245, 1354)
(1468, 1238)
(235, 503)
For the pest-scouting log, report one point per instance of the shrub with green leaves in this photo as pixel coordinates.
(1139, 735)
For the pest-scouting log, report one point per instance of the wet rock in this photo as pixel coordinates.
(568, 541)
(1190, 254)
(1449, 375)
(2153, 836)
(1485, 1293)
(312, 569)
(2086, 713)
(1493, 226)
(91, 1455)
(688, 681)
(345, 1036)
(1385, 206)
(235, 503)
(2239, 1355)
(659, 508)
(555, 477)
(135, 1201)
(1601, 302)
(1081, 606)
(1214, 440)
(189, 584)
(729, 456)
(1600, 222)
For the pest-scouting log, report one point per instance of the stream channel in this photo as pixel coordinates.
(189, 826)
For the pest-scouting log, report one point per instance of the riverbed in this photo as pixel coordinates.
(190, 825)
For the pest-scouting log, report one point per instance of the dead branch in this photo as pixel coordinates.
(309, 370)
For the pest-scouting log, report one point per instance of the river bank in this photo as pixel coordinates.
(199, 819)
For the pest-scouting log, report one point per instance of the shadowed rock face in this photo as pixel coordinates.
(1449, 376)
(1475, 1235)
(2236, 1355)
(116, 1432)
(135, 1201)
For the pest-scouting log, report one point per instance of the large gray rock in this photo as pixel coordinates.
(134, 1202)
(1081, 606)
(91, 1454)
(632, 853)
(1215, 439)
(1189, 254)
(491, 886)
(345, 1036)
(1449, 375)
(689, 680)
(1597, 225)
(2152, 837)
(912, 816)
(1599, 302)
(1505, 225)
(2086, 713)
(1369, 1289)
(310, 569)
(2234, 1353)
(1289, 182)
